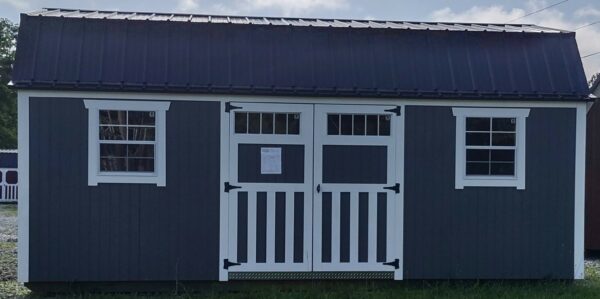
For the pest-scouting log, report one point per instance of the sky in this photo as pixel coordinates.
(569, 15)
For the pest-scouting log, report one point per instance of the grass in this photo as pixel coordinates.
(588, 288)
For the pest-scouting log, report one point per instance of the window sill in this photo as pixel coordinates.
(490, 182)
(122, 178)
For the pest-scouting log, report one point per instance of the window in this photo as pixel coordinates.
(126, 142)
(267, 123)
(359, 124)
(490, 147)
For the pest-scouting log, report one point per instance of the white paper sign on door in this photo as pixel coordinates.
(270, 160)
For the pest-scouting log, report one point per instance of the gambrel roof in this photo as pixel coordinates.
(127, 51)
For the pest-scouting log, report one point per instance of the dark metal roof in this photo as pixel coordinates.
(92, 50)
(338, 23)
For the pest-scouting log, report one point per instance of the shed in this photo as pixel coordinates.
(176, 147)
(592, 191)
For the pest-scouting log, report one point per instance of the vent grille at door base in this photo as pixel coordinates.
(308, 275)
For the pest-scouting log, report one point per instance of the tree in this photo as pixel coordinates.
(8, 97)
(593, 79)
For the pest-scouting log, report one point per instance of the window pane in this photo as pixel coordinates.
(359, 124)
(478, 155)
(372, 125)
(113, 117)
(333, 124)
(113, 133)
(504, 139)
(11, 177)
(294, 123)
(503, 156)
(140, 150)
(384, 125)
(113, 150)
(141, 118)
(346, 124)
(254, 123)
(280, 123)
(478, 139)
(503, 169)
(267, 123)
(478, 168)
(141, 133)
(478, 124)
(141, 165)
(504, 124)
(113, 164)
(241, 121)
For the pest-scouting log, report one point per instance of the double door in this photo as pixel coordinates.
(314, 188)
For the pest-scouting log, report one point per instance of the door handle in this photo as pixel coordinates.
(318, 188)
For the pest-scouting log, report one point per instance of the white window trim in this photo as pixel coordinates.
(95, 176)
(461, 179)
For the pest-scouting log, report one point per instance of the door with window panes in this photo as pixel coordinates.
(337, 212)
(270, 187)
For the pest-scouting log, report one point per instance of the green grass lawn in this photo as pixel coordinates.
(588, 288)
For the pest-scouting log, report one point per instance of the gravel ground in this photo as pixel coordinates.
(8, 242)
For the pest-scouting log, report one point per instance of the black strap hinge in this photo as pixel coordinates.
(227, 264)
(396, 110)
(229, 107)
(395, 263)
(395, 188)
(230, 187)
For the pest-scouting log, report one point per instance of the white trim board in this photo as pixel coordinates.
(224, 198)
(579, 217)
(95, 176)
(461, 179)
(23, 211)
(298, 100)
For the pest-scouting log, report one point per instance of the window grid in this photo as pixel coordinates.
(381, 122)
(490, 147)
(126, 141)
(266, 123)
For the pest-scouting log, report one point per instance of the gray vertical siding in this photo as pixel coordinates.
(488, 233)
(123, 232)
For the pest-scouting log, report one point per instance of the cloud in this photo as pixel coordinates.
(477, 14)
(17, 4)
(186, 5)
(294, 7)
(588, 39)
(587, 12)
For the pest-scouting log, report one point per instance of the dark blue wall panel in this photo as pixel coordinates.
(123, 232)
(488, 233)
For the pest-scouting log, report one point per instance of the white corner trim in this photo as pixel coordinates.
(159, 177)
(461, 180)
(23, 211)
(399, 273)
(579, 217)
(224, 198)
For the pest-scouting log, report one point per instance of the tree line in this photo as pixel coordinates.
(8, 96)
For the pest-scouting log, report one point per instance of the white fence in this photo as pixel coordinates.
(8, 191)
